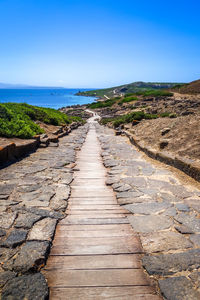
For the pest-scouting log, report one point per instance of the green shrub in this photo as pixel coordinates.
(101, 104)
(155, 93)
(127, 100)
(17, 119)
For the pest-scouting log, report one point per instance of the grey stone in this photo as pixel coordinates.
(182, 207)
(178, 288)
(59, 201)
(7, 253)
(171, 212)
(5, 276)
(148, 224)
(111, 180)
(177, 190)
(43, 230)
(194, 203)
(28, 188)
(131, 194)
(195, 238)
(30, 257)
(108, 163)
(122, 188)
(29, 287)
(147, 208)
(168, 264)
(136, 181)
(26, 220)
(164, 241)
(149, 191)
(46, 213)
(7, 219)
(6, 189)
(168, 197)
(33, 169)
(2, 232)
(15, 238)
(195, 277)
(189, 221)
(183, 229)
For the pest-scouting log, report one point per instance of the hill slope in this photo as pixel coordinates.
(190, 88)
(128, 88)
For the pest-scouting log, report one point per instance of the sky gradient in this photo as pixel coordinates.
(101, 43)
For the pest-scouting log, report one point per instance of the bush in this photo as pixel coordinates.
(155, 93)
(101, 104)
(17, 119)
(127, 100)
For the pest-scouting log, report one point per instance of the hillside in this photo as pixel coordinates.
(22, 120)
(190, 88)
(128, 89)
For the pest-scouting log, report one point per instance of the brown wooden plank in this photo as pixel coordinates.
(93, 233)
(79, 278)
(95, 221)
(101, 293)
(94, 262)
(95, 227)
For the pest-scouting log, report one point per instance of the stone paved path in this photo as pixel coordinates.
(95, 254)
(164, 208)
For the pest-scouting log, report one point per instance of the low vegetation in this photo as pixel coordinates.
(134, 116)
(18, 119)
(155, 93)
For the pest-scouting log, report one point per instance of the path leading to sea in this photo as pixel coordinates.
(127, 227)
(95, 254)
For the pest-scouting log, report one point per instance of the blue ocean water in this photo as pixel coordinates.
(53, 98)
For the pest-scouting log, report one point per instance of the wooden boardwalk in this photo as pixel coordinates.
(95, 253)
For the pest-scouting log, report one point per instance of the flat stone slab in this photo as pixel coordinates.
(178, 288)
(147, 208)
(130, 261)
(168, 264)
(30, 257)
(164, 241)
(81, 278)
(43, 230)
(28, 287)
(100, 293)
(150, 223)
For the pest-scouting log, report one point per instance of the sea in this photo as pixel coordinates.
(52, 98)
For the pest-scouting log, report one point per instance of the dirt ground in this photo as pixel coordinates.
(179, 136)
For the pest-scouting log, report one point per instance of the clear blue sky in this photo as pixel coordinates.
(88, 43)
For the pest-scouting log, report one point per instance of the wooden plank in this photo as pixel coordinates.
(92, 246)
(94, 262)
(93, 233)
(95, 227)
(101, 293)
(94, 214)
(95, 221)
(80, 278)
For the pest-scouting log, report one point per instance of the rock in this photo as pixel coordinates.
(2, 232)
(195, 238)
(26, 220)
(30, 257)
(43, 230)
(131, 194)
(183, 229)
(135, 181)
(164, 241)
(5, 276)
(178, 288)
(111, 180)
(148, 223)
(6, 189)
(195, 277)
(171, 212)
(165, 131)
(15, 238)
(46, 213)
(189, 221)
(168, 264)
(147, 208)
(6, 220)
(29, 287)
(182, 207)
(122, 188)
(59, 201)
